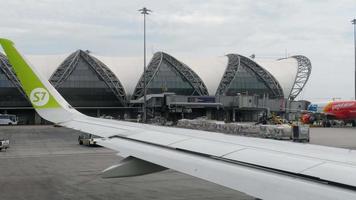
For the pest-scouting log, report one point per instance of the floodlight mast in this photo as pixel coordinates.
(145, 12)
(354, 23)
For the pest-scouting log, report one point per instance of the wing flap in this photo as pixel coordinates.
(207, 147)
(335, 172)
(274, 160)
(307, 150)
(253, 181)
(275, 155)
(158, 138)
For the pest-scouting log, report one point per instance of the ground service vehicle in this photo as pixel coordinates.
(4, 144)
(87, 139)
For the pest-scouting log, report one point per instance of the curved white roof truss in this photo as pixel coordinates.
(303, 73)
(235, 61)
(153, 67)
(69, 64)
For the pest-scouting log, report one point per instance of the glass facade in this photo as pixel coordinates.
(166, 74)
(4, 81)
(168, 79)
(10, 95)
(247, 82)
(85, 88)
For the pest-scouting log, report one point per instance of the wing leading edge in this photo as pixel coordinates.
(262, 168)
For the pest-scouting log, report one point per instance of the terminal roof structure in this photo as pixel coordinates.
(166, 74)
(242, 75)
(85, 81)
(292, 73)
(11, 92)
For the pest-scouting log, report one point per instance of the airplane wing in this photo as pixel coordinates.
(265, 169)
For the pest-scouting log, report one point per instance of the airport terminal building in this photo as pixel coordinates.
(230, 88)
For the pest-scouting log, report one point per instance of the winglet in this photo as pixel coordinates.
(6, 41)
(42, 95)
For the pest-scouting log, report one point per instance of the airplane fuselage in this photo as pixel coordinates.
(339, 110)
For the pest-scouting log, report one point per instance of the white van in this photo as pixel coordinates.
(8, 119)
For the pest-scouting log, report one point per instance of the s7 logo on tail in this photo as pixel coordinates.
(39, 96)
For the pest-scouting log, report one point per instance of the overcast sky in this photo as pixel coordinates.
(318, 29)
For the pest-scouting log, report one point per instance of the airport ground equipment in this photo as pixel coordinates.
(6, 119)
(265, 169)
(87, 139)
(301, 133)
(4, 144)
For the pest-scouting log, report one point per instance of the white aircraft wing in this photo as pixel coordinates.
(266, 169)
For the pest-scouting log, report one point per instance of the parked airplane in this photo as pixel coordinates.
(265, 169)
(335, 110)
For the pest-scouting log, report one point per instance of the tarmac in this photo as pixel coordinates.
(46, 162)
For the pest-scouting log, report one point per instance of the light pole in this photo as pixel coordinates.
(354, 23)
(145, 12)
